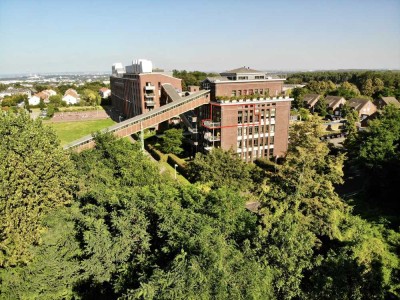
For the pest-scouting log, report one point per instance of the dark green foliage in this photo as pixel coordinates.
(375, 153)
(14, 100)
(131, 233)
(172, 141)
(321, 107)
(221, 168)
(191, 77)
(36, 177)
(55, 267)
(174, 160)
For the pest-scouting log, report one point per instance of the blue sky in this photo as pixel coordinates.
(56, 36)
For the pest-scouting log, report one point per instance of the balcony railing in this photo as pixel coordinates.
(150, 103)
(211, 124)
(149, 87)
(212, 138)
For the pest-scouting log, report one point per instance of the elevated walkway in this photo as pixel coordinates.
(148, 119)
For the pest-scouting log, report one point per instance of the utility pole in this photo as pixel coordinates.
(141, 136)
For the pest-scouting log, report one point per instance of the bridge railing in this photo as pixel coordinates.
(140, 118)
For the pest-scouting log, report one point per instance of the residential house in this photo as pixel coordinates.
(364, 107)
(384, 101)
(71, 97)
(335, 104)
(13, 91)
(310, 100)
(34, 100)
(45, 95)
(105, 93)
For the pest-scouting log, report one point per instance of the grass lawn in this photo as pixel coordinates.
(70, 131)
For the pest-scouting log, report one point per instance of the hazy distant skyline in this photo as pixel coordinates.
(74, 36)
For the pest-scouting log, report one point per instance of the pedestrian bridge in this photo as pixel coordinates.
(146, 120)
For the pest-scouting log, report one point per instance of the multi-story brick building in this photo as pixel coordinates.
(247, 113)
(137, 88)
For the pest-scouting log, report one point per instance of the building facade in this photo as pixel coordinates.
(248, 113)
(136, 89)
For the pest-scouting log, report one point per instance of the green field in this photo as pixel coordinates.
(70, 131)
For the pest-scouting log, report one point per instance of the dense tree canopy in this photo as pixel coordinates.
(191, 77)
(172, 141)
(36, 177)
(130, 232)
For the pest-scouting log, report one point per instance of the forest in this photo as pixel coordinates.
(105, 224)
(350, 84)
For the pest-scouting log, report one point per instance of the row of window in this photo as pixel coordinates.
(250, 116)
(254, 142)
(249, 92)
(252, 155)
(255, 130)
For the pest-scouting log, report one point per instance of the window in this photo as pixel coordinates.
(240, 117)
(250, 92)
(250, 130)
(242, 77)
(261, 91)
(239, 92)
(255, 130)
(259, 77)
(233, 93)
(273, 112)
(272, 128)
(255, 91)
(244, 92)
(271, 140)
(255, 143)
(240, 131)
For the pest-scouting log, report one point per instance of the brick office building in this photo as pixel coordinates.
(247, 113)
(136, 88)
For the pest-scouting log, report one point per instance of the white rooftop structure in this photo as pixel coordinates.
(118, 69)
(140, 66)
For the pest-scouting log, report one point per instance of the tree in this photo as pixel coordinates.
(307, 177)
(42, 105)
(348, 90)
(298, 95)
(56, 100)
(321, 107)
(90, 97)
(367, 88)
(221, 168)
(36, 177)
(54, 268)
(172, 141)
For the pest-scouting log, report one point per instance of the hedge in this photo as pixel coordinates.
(155, 153)
(173, 159)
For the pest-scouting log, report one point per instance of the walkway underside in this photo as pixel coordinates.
(146, 120)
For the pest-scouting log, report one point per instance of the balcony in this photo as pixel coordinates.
(150, 103)
(211, 124)
(193, 130)
(150, 87)
(212, 138)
